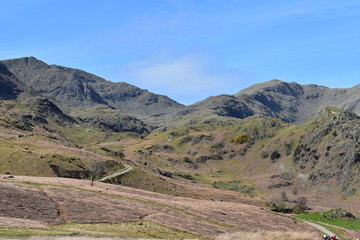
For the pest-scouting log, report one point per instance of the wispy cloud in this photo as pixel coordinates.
(188, 77)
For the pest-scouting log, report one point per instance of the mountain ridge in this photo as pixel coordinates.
(311, 97)
(289, 102)
(78, 88)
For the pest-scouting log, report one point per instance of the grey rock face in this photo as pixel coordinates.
(332, 147)
(11, 88)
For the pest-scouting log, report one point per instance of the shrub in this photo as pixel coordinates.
(241, 139)
(279, 206)
(274, 156)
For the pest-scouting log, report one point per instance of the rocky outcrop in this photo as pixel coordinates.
(332, 148)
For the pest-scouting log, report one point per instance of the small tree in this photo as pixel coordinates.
(300, 206)
(283, 197)
(96, 169)
(295, 191)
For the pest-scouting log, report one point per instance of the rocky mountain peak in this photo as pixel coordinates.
(274, 86)
(78, 88)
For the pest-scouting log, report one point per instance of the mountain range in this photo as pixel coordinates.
(290, 102)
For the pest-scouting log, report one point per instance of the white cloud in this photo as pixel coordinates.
(182, 75)
(186, 79)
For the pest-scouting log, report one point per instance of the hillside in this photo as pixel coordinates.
(52, 201)
(261, 156)
(35, 134)
(81, 89)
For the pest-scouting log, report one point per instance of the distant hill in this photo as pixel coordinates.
(11, 88)
(289, 102)
(295, 103)
(81, 89)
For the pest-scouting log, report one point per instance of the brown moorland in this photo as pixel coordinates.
(49, 201)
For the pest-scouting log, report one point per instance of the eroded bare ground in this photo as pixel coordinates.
(21, 222)
(53, 203)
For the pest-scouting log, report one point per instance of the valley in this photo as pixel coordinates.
(226, 164)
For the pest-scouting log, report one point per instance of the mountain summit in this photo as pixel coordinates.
(297, 103)
(81, 89)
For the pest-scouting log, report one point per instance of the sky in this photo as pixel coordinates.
(190, 49)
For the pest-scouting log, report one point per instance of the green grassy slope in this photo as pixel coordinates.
(352, 224)
(33, 142)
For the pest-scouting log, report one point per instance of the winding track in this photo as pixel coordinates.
(321, 228)
(118, 173)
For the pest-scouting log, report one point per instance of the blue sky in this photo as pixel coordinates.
(190, 49)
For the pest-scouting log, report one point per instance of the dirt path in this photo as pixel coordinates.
(118, 173)
(59, 206)
(321, 228)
